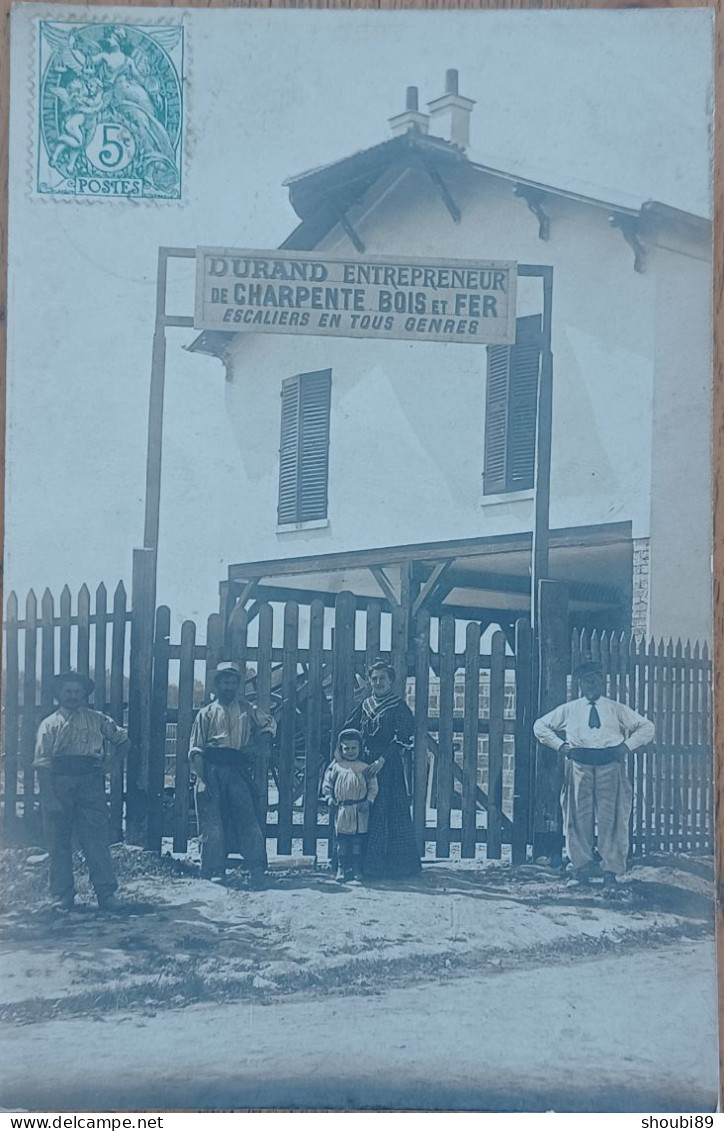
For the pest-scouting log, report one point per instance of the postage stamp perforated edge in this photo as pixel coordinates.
(32, 86)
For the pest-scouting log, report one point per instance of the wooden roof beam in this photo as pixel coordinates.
(628, 226)
(535, 200)
(436, 177)
(385, 585)
(351, 233)
(431, 585)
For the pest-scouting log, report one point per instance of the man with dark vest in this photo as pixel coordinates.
(75, 748)
(221, 752)
(596, 735)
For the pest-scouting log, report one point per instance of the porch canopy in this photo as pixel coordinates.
(485, 579)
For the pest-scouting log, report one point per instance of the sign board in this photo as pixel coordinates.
(424, 300)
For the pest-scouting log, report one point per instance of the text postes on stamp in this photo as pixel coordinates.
(110, 110)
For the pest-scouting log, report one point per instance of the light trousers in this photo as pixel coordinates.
(596, 800)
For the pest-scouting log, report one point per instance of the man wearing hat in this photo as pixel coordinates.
(74, 749)
(595, 734)
(221, 750)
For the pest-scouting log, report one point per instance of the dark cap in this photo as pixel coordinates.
(227, 669)
(588, 667)
(72, 677)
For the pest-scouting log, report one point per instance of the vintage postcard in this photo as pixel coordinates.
(357, 680)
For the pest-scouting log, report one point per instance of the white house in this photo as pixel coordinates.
(405, 465)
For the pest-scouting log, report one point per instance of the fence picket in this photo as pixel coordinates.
(47, 653)
(83, 635)
(65, 629)
(495, 745)
(27, 736)
(575, 655)
(627, 682)
(422, 697)
(343, 668)
(400, 629)
(523, 762)
(314, 758)
(238, 628)
(614, 659)
(605, 660)
(288, 731)
(116, 708)
(157, 740)
(263, 699)
(445, 752)
(99, 654)
(12, 714)
(183, 735)
(214, 647)
(471, 706)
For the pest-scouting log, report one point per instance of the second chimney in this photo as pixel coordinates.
(450, 115)
(411, 118)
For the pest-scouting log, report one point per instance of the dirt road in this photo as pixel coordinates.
(606, 1034)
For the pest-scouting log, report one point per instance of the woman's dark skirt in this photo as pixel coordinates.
(391, 851)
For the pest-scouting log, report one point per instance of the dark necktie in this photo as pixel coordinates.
(594, 720)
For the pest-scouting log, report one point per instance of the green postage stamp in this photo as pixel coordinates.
(110, 110)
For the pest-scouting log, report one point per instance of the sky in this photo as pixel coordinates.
(615, 104)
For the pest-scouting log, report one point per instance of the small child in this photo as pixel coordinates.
(351, 785)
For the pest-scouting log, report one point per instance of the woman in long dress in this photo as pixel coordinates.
(387, 727)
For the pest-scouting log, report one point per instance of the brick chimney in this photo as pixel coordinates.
(450, 115)
(411, 118)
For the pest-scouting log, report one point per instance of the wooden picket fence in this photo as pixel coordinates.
(670, 683)
(52, 642)
(472, 775)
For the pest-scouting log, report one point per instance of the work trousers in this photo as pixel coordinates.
(350, 847)
(596, 799)
(83, 810)
(229, 817)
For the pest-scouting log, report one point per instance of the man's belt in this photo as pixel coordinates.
(594, 756)
(227, 756)
(360, 802)
(76, 765)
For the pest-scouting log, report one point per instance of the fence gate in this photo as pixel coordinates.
(306, 666)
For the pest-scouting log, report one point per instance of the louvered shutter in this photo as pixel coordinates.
(496, 419)
(523, 403)
(289, 452)
(510, 415)
(304, 448)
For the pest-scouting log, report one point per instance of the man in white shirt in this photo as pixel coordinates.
(595, 734)
(221, 752)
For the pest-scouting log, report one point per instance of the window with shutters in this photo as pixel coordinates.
(510, 410)
(304, 447)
